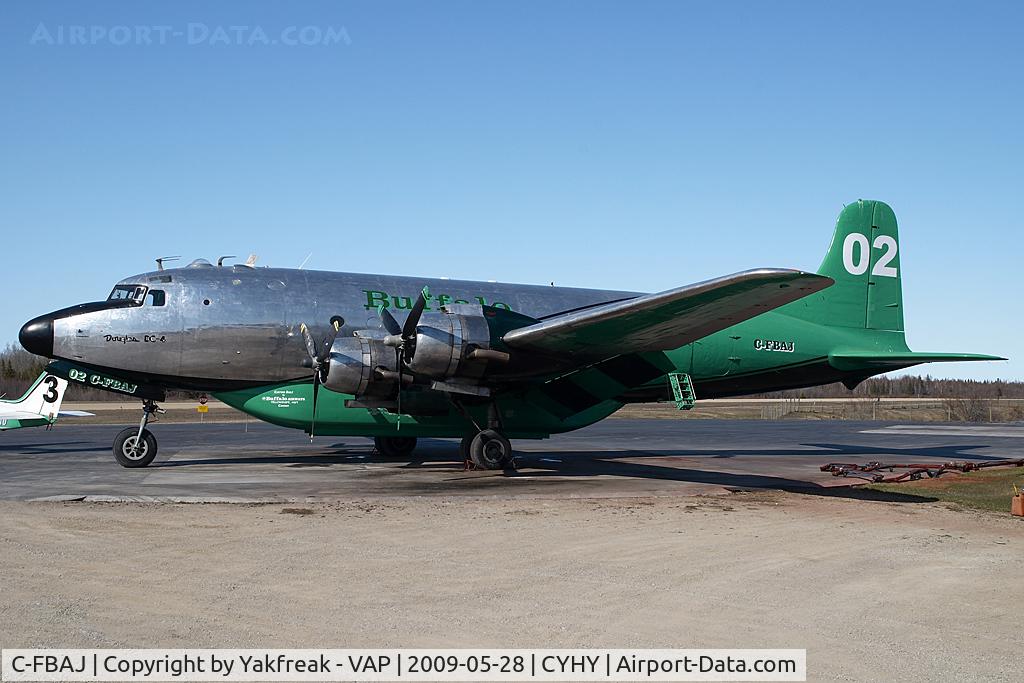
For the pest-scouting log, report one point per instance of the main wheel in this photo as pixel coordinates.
(127, 454)
(395, 446)
(490, 450)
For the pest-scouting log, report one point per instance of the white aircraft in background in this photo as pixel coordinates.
(40, 406)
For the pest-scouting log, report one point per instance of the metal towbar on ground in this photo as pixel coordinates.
(913, 471)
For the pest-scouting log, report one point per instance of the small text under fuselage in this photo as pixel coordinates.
(780, 345)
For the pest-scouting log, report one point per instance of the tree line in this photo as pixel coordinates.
(910, 386)
(19, 368)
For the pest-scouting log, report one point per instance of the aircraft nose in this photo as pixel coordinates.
(37, 336)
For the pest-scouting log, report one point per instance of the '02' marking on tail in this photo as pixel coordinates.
(859, 266)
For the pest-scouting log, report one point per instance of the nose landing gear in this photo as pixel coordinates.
(136, 447)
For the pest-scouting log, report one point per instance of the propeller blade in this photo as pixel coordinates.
(320, 364)
(310, 342)
(409, 329)
(316, 390)
(390, 324)
(329, 342)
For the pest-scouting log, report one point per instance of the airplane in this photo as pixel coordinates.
(400, 358)
(40, 406)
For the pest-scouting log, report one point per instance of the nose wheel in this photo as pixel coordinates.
(136, 446)
(129, 451)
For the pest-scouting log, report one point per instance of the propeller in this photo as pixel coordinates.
(403, 338)
(320, 358)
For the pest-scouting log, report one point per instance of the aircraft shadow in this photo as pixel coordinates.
(50, 448)
(950, 452)
(438, 451)
(610, 463)
(828, 450)
(289, 460)
(442, 456)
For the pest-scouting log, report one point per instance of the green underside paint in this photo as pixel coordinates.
(290, 405)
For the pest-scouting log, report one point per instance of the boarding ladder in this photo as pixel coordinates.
(682, 390)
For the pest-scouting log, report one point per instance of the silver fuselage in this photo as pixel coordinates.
(222, 327)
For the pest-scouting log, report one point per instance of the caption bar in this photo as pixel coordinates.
(403, 665)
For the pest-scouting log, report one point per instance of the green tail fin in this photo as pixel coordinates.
(864, 261)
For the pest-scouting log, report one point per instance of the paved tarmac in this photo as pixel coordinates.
(619, 457)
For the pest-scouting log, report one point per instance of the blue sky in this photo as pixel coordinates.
(622, 145)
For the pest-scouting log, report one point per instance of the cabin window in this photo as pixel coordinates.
(136, 293)
(156, 297)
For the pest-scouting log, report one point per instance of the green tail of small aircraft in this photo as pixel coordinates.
(482, 361)
(39, 406)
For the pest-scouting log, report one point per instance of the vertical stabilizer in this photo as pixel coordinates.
(864, 261)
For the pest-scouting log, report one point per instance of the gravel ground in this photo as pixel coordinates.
(874, 591)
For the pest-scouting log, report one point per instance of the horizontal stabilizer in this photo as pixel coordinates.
(74, 413)
(869, 360)
(669, 319)
(21, 415)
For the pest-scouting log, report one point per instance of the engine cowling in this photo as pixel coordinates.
(454, 345)
(445, 345)
(362, 366)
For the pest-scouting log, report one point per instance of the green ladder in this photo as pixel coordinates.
(682, 390)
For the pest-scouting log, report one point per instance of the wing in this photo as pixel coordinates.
(666, 320)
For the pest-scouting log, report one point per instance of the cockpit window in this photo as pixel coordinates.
(136, 293)
(156, 297)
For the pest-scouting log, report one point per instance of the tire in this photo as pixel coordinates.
(464, 446)
(395, 446)
(491, 451)
(125, 440)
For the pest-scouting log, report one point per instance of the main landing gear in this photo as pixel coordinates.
(136, 447)
(487, 450)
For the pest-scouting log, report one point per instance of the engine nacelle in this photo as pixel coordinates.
(453, 345)
(445, 343)
(356, 365)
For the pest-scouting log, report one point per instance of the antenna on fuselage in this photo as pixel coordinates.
(163, 259)
(220, 261)
(306, 260)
